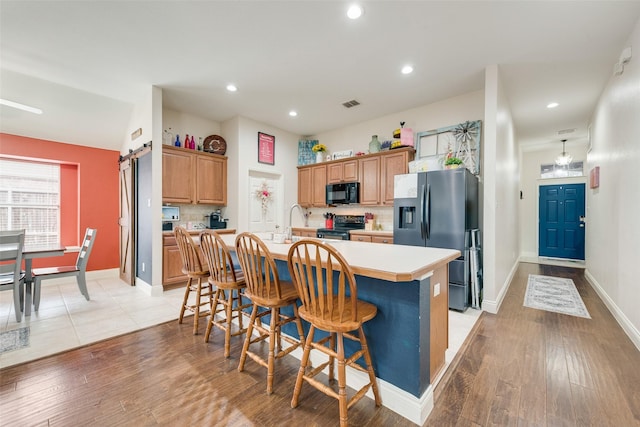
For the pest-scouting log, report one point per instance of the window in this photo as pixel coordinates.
(556, 171)
(30, 199)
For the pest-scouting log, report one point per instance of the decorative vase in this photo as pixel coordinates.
(374, 145)
(319, 157)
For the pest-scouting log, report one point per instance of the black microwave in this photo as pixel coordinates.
(343, 193)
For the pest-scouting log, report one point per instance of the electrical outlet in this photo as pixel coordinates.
(143, 267)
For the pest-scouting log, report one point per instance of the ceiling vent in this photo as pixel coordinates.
(350, 104)
(566, 131)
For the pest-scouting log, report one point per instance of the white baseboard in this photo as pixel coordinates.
(562, 262)
(492, 306)
(628, 327)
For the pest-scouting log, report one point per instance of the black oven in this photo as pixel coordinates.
(342, 224)
(332, 234)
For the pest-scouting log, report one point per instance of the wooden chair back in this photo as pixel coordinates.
(191, 263)
(325, 283)
(85, 249)
(260, 272)
(219, 258)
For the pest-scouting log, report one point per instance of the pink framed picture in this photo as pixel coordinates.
(266, 148)
(594, 177)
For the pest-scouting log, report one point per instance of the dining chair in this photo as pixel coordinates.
(194, 269)
(11, 274)
(268, 295)
(229, 281)
(78, 270)
(329, 294)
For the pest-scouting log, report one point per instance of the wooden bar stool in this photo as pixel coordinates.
(323, 278)
(227, 302)
(192, 267)
(266, 290)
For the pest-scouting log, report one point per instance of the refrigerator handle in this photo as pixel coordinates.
(428, 213)
(423, 194)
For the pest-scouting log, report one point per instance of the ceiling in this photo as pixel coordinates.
(86, 64)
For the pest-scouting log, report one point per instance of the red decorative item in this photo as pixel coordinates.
(328, 223)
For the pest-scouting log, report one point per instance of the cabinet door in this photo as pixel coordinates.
(360, 238)
(172, 266)
(177, 176)
(370, 181)
(304, 187)
(319, 183)
(211, 180)
(392, 165)
(346, 171)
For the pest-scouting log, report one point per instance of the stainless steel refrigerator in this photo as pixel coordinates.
(439, 209)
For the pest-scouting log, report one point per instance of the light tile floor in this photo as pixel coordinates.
(66, 320)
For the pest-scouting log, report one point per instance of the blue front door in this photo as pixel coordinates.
(561, 221)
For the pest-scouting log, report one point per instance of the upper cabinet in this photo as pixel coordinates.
(342, 171)
(193, 177)
(374, 172)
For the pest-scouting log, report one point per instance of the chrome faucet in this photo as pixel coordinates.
(290, 231)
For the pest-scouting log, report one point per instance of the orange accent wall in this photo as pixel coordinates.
(97, 192)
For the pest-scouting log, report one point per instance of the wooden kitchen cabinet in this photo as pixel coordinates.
(370, 180)
(211, 179)
(342, 171)
(193, 177)
(361, 236)
(382, 239)
(177, 176)
(312, 181)
(392, 164)
(303, 232)
(439, 324)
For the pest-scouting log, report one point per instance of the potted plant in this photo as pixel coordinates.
(452, 163)
(319, 149)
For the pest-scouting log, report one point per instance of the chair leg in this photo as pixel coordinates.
(367, 359)
(82, 284)
(17, 297)
(196, 314)
(214, 308)
(36, 293)
(185, 300)
(342, 381)
(227, 331)
(303, 366)
(274, 336)
(247, 340)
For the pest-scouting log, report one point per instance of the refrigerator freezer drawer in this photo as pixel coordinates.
(456, 272)
(458, 297)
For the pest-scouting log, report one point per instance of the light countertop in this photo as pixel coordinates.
(395, 263)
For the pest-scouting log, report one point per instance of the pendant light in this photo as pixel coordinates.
(565, 158)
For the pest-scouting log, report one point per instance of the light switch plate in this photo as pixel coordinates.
(436, 289)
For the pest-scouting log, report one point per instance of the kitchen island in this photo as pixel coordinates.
(409, 335)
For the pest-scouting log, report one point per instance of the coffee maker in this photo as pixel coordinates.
(215, 220)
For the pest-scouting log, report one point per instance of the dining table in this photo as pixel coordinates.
(29, 253)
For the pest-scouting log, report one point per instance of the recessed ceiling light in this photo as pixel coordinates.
(293, 113)
(355, 11)
(552, 105)
(19, 106)
(407, 69)
(232, 88)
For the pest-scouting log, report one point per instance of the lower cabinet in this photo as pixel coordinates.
(372, 237)
(172, 276)
(304, 232)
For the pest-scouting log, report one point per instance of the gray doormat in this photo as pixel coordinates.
(554, 294)
(14, 339)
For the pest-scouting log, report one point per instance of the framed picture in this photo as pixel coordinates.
(266, 148)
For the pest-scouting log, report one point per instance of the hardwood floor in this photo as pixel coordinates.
(520, 367)
(527, 367)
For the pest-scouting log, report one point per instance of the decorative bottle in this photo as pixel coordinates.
(374, 145)
(187, 142)
(177, 143)
(192, 144)
(200, 143)
(168, 137)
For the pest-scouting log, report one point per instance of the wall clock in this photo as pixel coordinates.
(215, 144)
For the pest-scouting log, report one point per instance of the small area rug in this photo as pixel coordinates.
(14, 339)
(554, 294)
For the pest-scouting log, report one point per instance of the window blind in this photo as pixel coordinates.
(30, 199)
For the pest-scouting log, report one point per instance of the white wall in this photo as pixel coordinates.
(530, 161)
(448, 112)
(243, 133)
(613, 209)
(182, 124)
(500, 193)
